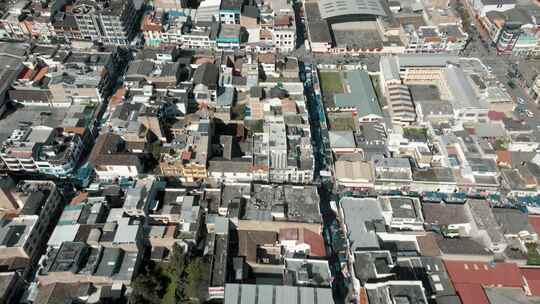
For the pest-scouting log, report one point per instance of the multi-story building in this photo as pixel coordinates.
(165, 28)
(514, 31)
(208, 11)
(10, 24)
(10, 67)
(110, 22)
(284, 32)
(111, 160)
(434, 39)
(229, 37)
(40, 205)
(189, 152)
(201, 35)
(27, 19)
(41, 149)
(482, 7)
(229, 11)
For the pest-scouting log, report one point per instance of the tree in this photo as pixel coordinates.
(177, 264)
(146, 289)
(196, 281)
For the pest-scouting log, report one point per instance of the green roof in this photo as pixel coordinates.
(361, 94)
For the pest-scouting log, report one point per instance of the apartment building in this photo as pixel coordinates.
(41, 149)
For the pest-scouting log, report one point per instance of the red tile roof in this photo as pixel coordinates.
(469, 277)
(532, 276)
(494, 115)
(504, 274)
(316, 243)
(471, 293)
(26, 73)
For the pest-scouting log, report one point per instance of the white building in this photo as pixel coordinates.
(483, 6)
(43, 150)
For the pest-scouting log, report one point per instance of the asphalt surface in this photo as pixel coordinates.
(479, 47)
(501, 66)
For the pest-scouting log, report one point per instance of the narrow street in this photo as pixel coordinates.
(331, 229)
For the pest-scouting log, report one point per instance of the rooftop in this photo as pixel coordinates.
(318, 29)
(444, 214)
(512, 221)
(361, 94)
(287, 202)
(484, 218)
(270, 294)
(342, 139)
(330, 9)
(363, 217)
(482, 273)
(63, 233)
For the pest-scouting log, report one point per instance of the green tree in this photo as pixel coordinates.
(177, 265)
(146, 289)
(196, 280)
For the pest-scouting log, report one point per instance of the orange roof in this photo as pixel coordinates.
(77, 130)
(39, 76)
(363, 296)
(503, 157)
(117, 98)
(151, 23)
(81, 197)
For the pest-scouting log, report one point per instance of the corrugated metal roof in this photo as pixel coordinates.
(418, 60)
(63, 233)
(266, 294)
(361, 95)
(390, 68)
(248, 294)
(287, 295)
(275, 294)
(330, 8)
